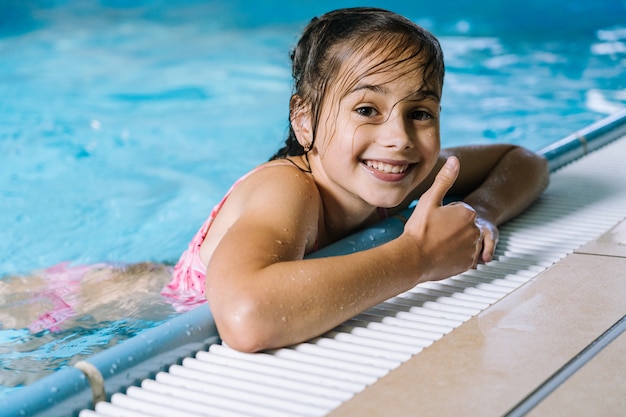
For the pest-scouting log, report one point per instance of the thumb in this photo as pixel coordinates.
(446, 176)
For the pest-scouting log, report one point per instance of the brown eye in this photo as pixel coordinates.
(366, 111)
(420, 115)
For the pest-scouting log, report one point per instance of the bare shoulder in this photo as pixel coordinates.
(276, 202)
(276, 183)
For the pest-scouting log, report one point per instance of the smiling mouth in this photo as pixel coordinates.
(387, 168)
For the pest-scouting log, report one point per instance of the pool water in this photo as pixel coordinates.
(123, 122)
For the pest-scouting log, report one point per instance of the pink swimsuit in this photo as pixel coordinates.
(187, 288)
(63, 282)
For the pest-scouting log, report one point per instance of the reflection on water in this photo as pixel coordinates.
(65, 313)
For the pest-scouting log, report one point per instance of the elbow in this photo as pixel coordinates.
(536, 165)
(242, 338)
(241, 326)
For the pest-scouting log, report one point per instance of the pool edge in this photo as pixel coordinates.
(68, 390)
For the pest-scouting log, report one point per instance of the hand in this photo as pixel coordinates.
(447, 237)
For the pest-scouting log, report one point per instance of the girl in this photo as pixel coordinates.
(363, 143)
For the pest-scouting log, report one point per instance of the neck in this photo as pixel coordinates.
(343, 216)
(342, 212)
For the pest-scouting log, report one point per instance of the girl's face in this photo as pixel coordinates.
(376, 143)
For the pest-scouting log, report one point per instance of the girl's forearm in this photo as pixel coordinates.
(287, 302)
(514, 183)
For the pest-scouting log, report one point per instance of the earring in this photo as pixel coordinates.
(307, 147)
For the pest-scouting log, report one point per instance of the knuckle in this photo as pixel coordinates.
(468, 211)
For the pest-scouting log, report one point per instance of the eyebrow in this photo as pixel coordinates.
(381, 89)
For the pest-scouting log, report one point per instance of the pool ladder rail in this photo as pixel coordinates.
(315, 377)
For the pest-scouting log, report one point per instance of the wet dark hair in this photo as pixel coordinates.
(330, 40)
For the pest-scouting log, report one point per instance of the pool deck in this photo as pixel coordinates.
(497, 359)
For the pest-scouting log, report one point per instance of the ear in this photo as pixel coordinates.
(300, 117)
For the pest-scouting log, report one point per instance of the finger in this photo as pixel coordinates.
(487, 250)
(489, 246)
(444, 180)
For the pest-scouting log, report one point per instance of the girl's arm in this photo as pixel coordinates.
(511, 178)
(264, 295)
(498, 181)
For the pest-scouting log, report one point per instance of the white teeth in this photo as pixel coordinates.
(386, 168)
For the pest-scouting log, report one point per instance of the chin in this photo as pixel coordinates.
(388, 203)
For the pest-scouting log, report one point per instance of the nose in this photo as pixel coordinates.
(396, 132)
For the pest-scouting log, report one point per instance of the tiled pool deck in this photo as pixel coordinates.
(496, 359)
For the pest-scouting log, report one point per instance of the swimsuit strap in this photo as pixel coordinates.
(306, 171)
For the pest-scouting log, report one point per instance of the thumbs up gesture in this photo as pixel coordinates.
(447, 239)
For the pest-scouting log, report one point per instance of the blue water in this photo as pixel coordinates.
(123, 122)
